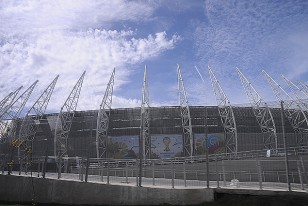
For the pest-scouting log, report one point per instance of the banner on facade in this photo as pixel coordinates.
(215, 143)
(166, 145)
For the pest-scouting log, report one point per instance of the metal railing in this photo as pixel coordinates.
(256, 172)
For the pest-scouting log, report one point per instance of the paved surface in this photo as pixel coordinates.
(178, 183)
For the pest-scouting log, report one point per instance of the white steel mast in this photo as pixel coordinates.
(31, 121)
(297, 93)
(7, 101)
(103, 120)
(226, 114)
(12, 112)
(304, 88)
(65, 118)
(294, 112)
(262, 113)
(188, 143)
(145, 118)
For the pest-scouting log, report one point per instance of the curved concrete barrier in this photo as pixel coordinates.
(19, 189)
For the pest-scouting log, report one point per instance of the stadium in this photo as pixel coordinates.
(124, 132)
(82, 124)
(163, 132)
(261, 146)
(227, 143)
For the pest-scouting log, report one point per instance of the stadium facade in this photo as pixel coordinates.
(165, 130)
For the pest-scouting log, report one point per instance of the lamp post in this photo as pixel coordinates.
(88, 151)
(88, 160)
(140, 149)
(285, 146)
(46, 158)
(206, 149)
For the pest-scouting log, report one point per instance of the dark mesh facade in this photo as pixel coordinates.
(163, 120)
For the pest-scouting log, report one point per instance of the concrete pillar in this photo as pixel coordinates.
(185, 182)
(153, 172)
(259, 170)
(300, 174)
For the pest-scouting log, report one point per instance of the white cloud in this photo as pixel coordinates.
(68, 54)
(45, 15)
(299, 60)
(253, 35)
(249, 32)
(40, 39)
(120, 102)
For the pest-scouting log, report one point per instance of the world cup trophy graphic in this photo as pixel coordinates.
(167, 142)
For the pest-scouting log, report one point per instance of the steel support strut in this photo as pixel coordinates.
(103, 120)
(262, 113)
(64, 122)
(30, 124)
(226, 114)
(12, 112)
(145, 118)
(293, 110)
(188, 143)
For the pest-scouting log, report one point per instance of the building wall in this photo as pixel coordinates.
(164, 122)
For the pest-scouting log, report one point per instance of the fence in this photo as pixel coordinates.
(250, 170)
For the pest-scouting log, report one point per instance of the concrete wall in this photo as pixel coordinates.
(17, 189)
(244, 197)
(20, 189)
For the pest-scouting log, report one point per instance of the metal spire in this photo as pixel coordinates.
(297, 93)
(226, 115)
(18, 105)
(294, 112)
(103, 120)
(13, 111)
(39, 107)
(28, 126)
(145, 118)
(262, 113)
(304, 88)
(7, 101)
(30, 122)
(15, 108)
(188, 144)
(64, 120)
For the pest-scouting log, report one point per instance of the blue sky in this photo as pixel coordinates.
(40, 39)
